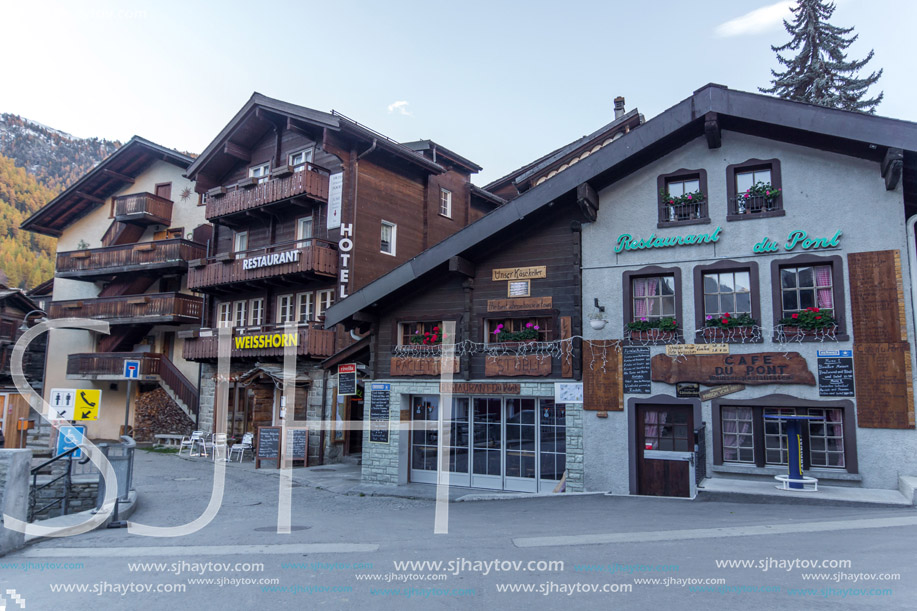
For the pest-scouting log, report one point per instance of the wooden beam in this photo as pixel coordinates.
(89, 197)
(118, 176)
(234, 150)
(892, 166)
(712, 130)
(462, 266)
(588, 201)
(361, 316)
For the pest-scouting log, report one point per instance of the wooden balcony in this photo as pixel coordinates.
(159, 255)
(151, 309)
(309, 258)
(248, 343)
(143, 208)
(311, 182)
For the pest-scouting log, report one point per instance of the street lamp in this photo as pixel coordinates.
(25, 320)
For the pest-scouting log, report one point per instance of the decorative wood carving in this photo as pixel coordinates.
(419, 366)
(511, 366)
(884, 385)
(751, 368)
(876, 289)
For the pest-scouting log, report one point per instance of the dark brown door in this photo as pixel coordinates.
(665, 428)
(164, 190)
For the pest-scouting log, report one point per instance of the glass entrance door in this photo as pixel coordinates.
(487, 450)
(521, 445)
(425, 440)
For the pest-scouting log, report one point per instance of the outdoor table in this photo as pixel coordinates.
(795, 479)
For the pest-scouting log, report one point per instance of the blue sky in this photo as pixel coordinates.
(498, 82)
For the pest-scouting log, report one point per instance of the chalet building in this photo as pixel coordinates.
(125, 233)
(744, 260)
(307, 208)
(17, 312)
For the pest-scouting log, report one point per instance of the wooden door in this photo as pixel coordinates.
(164, 190)
(664, 440)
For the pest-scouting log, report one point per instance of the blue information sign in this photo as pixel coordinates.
(70, 437)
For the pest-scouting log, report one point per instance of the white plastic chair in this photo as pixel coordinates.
(196, 438)
(245, 444)
(217, 445)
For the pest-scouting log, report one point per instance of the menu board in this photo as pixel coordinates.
(636, 370)
(347, 379)
(268, 445)
(379, 396)
(299, 444)
(835, 375)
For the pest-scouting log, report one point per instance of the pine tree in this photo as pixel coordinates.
(820, 73)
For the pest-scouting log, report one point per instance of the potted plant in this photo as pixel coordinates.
(683, 207)
(527, 335)
(659, 329)
(759, 192)
(428, 338)
(596, 320)
(808, 322)
(729, 327)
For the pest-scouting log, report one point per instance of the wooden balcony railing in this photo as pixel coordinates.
(110, 365)
(261, 342)
(310, 182)
(156, 308)
(159, 254)
(143, 208)
(314, 256)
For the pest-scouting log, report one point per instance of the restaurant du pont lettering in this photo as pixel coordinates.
(277, 258)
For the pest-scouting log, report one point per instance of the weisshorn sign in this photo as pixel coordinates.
(276, 258)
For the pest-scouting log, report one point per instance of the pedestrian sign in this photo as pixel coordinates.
(70, 437)
(131, 370)
(62, 401)
(87, 404)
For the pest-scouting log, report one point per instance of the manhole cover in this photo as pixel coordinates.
(185, 479)
(273, 529)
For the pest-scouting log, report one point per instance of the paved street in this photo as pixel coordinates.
(604, 542)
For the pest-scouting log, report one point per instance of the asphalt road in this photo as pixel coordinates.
(343, 549)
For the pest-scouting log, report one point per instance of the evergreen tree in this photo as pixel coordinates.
(820, 73)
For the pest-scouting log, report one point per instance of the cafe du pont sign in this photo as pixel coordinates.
(752, 368)
(275, 258)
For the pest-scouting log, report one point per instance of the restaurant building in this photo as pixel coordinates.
(126, 231)
(308, 207)
(743, 259)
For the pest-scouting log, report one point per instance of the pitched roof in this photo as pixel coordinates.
(100, 183)
(439, 149)
(845, 132)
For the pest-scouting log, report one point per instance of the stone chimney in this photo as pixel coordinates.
(619, 107)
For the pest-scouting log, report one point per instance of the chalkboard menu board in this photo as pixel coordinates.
(298, 440)
(835, 375)
(347, 379)
(636, 370)
(379, 412)
(268, 445)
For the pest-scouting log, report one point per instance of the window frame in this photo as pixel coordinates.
(403, 329)
(445, 202)
(393, 242)
(265, 169)
(299, 301)
(758, 405)
(302, 241)
(320, 306)
(291, 308)
(662, 182)
(225, 315)
(645, 272)
(729, 265)
(251, 312)
(745, 166)
(548, 333)
(240, 307)
(837, 283)
(235, 240)
(309, 152)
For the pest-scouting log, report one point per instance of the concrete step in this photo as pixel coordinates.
(744, 491)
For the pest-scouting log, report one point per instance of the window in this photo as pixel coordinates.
(323, 301)
(654, 297)
(389, 234)
(303, 231)
(753, 189)
(683, 198)
(304, 308)
(300, 159)
(225, 316)
(727, 293)
(806, 287)
(239, 307)
(499, 329)
(256, 312)
(727, 286)
(284, 309)
(409, 330)
(240, 241)
(743, 435)
(261, 172)
(445, 202)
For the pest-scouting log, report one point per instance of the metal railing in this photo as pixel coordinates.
(62, 500)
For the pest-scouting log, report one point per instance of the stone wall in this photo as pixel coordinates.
(14, 494)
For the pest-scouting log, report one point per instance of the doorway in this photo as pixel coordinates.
(665, 446)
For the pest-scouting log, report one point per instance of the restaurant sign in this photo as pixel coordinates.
(276, 258)
(628, 242)
(797, 238)
(750, 368)
(270, 340)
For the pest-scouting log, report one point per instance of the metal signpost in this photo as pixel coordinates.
(131, 373)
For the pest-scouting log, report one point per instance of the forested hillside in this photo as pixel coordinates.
(26, 257)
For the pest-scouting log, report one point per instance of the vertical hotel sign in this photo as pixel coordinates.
(335, 197)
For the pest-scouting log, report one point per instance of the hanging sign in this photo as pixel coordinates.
(347, 379)
(335, 197)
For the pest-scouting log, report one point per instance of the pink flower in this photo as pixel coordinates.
(496, 331)
(536, 327)
(709, 317)
(689, 197)
(643, 319)
(528, 325)
(767, 192)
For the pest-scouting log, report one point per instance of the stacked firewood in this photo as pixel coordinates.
(156, 412)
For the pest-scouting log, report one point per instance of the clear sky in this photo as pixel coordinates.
(498, 82)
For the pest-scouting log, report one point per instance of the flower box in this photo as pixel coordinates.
(654, 335)
(729, 333)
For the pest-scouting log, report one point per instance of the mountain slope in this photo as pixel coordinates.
(26, 257)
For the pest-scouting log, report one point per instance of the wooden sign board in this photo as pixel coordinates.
(519, 273)
(297, 444)
(268, 445)
(518, 288)
(752, 368)
(884, 385)
(479, 388)
(510, 366)
(679, 349)
(720, 391)
(522, 303)
(876, 302)
(420, 365)
(687, 390)
(602, 376)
